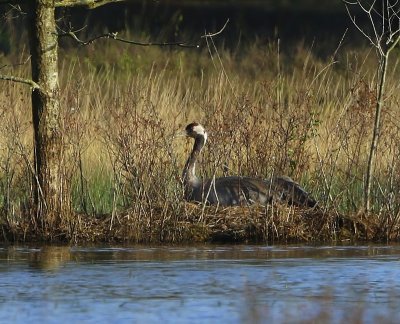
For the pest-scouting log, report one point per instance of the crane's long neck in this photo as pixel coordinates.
(189, 172)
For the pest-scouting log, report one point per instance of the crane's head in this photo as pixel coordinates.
(195, 130)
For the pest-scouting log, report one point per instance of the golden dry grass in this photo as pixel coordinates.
(266, 113)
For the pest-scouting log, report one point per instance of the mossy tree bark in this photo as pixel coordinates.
(49, 195)
(51, 192)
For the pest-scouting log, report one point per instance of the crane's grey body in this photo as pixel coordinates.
(237, 190)
(228, 191)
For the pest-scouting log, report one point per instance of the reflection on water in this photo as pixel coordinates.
(200, 284)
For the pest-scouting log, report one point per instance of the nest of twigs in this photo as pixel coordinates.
(188, 222)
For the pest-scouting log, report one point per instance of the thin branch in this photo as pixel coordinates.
(395, 43)
(353, 20)
(83, 3)
(90, 4)
(114, 36)
(30, 82)
(383, 35)
(389, 16)
(378, 37)
(362, 7)
(17, 64)
(218, 32)
(396, 13)
(15, 7)
(179, 44)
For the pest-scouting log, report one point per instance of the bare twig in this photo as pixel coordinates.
(17, 64)
(384, 37)
(30, 82)
(14, 7)
(114, 36)
(353, 20)
(84, 3)
(210, 35)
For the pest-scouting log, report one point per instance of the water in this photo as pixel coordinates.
(200, 284)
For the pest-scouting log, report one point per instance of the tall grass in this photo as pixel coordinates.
(266, 113)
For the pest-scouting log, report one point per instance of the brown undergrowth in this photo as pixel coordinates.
(195, 223)
(295, 114)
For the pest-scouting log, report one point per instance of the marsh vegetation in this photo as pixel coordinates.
(268, 112)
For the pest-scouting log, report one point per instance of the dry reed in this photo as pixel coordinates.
(266, 112)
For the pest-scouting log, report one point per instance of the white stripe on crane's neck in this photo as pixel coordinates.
(198, 129)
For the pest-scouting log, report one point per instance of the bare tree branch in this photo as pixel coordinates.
(13, 8)
(30, 82)
(382, 20)
(377, 36)
(353, 20)
(115, 37)
(90, 4)
(72, 34)
(384, 37)
(216, 33)
(17, 64)
(84, 3)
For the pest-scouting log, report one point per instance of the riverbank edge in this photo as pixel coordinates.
(196, 223)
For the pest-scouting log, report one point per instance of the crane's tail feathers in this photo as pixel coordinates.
(284, 189)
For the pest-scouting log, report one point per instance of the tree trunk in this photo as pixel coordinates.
(48, 148)
(377, 128)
